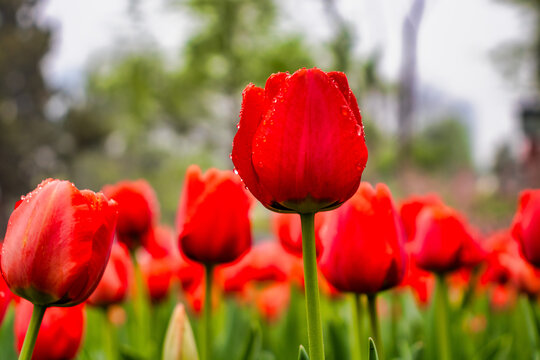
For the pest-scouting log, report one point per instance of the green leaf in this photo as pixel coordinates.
(254, 344)
(302, 354)
(372, 351)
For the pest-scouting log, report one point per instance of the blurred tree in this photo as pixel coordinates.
(143, 116)
(443, 146)
(25, 134)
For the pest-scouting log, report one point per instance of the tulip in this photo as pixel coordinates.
(117, 279)
(60, 334)
(526, 225)
(288, 229)
(411, 207)
(56, 248)
(179, 341)
(273, 300)
(5, 295)
(300, 143)
(444, 241)
(364, 247)
(138, 210)
(265, 262)
(300, 148)
(58, 243)
(214, 227)
(213, 217)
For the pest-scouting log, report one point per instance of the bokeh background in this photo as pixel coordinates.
(98, 91)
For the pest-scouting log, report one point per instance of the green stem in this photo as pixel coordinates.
(374, 322)
(315, 335)
(32, 332)
(441, 319)
(206, 333)
(109, 336)
(141, 306)
(359, 308)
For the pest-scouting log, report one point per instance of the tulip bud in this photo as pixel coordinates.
(179, 341)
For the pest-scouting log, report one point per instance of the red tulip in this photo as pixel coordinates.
(300, 143)
(288, 230)
(5, 298)
(444, 242)
(60, 334)
(213, 216)
(265, 262)
(58, 243)
(421, 282)
(159, 263)
(138, 210)
(526, 226)
(411, 207)
(364, 252)
(117, 279)
(273, 300)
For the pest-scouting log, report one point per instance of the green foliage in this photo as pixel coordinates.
(442, 146)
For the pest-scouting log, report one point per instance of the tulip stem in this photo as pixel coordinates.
(359, 309)
(441, 319)
(374, 323)
(32, 332)
(315, 335)
(206, 333)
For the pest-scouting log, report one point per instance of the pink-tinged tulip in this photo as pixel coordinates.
(57, 244)
(138, 210)
(300, 142)
(444, 242)
(364, 251)
(273, 300)
(159, 263)
(411, 207)
(213, 217)
(288, 229)
(265, 262)
(60, 334)
(526, 225)
(116, 282)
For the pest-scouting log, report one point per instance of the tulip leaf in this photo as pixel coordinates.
(302, 354)
(254, 343)
(372, 354)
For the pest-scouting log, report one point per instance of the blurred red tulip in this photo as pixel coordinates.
(421, 282)
(444, 242)
(526, 225)
(159, 263)
(266, 262)
(300, 142)
(117, 279)
(288, 230)
(58, 243)
(60, 334)
(500, 247)
(411, 207)
(213, 217)
(138, 210)
(363, 250)
(273, 300)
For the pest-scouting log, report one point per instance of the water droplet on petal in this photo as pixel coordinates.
(235, 171)
(344, 110)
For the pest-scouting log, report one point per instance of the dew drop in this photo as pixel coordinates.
(22, 197)
(235, 171)
(230, 156)
(344, 110)
(238, 126)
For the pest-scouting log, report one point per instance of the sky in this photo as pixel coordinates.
(457, 39)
